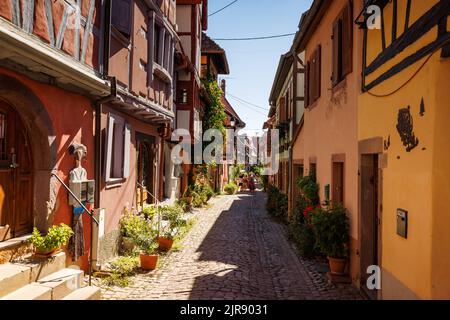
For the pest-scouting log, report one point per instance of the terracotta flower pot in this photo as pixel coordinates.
(165, 243)
(337, 266)
(148, 262)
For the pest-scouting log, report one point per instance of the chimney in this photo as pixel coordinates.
(223, 85)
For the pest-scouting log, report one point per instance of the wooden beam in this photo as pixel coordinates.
(429, 49)
(49, 16)
(150, 46)
(28, 16)
(88, 30)
(416, 31)
(394, 20)
(62, 27)
(16, 16)
(408, 14)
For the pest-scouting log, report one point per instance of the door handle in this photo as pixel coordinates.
(14, 164)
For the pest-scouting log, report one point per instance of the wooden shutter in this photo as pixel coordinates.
(108, 149)
(336, 52)
(282, 110)
(317, 76)
(307, 83)
(150, 46)
(347, 39)
(121, 16)
(126, 150)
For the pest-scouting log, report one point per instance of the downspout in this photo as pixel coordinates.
(98, 117)
(99, 103)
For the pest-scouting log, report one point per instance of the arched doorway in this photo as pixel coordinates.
(16, 175)
(41, 141)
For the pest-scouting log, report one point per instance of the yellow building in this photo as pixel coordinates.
(404, 148)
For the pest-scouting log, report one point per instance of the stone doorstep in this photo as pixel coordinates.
(85, 293)
(42, 267)
(30, 292)
(13, 277)
(62, 282)
(15, 242)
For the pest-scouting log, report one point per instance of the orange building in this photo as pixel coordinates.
(326, 142)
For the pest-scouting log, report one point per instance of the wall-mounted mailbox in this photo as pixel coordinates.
(83, 190)
(327, 192)
(402, 223)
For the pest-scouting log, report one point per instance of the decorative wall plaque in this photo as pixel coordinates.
(405, 129)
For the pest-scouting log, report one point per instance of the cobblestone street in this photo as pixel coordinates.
(234, 251)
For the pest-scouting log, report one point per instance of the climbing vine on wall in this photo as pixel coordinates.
(215, 115)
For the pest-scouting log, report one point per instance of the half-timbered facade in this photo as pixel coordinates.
(326, 143)
(52, 72)
(404, 145)
(192, 20)
(137, 123)
(286, 115)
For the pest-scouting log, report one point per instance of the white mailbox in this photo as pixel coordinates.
(84, 190)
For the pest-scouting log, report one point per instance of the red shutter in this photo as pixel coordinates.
(317, 73)
(335, 77)
(347, 39)
(307, 84)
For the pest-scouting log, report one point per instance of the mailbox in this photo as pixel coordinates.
(83, 190)
(402, 223)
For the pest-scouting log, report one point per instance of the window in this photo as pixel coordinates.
(159, 41)
(342, 44)
(117, 151)
(313, 77)
(121, 16)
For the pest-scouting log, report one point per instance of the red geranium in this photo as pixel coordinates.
(310, 209)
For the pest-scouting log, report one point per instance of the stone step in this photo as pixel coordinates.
(13, 277)
(61, 282)
(86, 293)
(30, 292)
(42, 267)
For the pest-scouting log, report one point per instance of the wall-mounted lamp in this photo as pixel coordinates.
(232, 121)
(184, 96)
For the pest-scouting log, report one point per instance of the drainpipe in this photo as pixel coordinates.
(98, 117)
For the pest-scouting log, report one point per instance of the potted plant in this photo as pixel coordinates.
(172, 216)
(50, 244)
(130, 227)
(148, 256)
(331, 227)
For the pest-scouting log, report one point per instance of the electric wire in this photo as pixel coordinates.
(221, 9)
(255, 38)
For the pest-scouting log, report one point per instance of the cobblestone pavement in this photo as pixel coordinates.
(234, 251)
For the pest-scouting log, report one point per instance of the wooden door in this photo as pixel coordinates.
(338, 182)
(146, 173)
(16, 176)
(369, 218)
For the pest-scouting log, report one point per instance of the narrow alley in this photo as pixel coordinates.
(235, 251)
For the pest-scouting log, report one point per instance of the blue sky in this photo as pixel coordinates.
(253, 63)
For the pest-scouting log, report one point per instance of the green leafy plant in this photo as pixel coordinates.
(56, 237)
(215, 115)
(230, 188)
(173, 215)
(309, 188)
(147, 244)
(300, 229)
(132, 226)
(277, 202)
(121, 269)
(331, 228)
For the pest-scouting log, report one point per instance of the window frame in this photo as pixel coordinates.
(111, 144)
